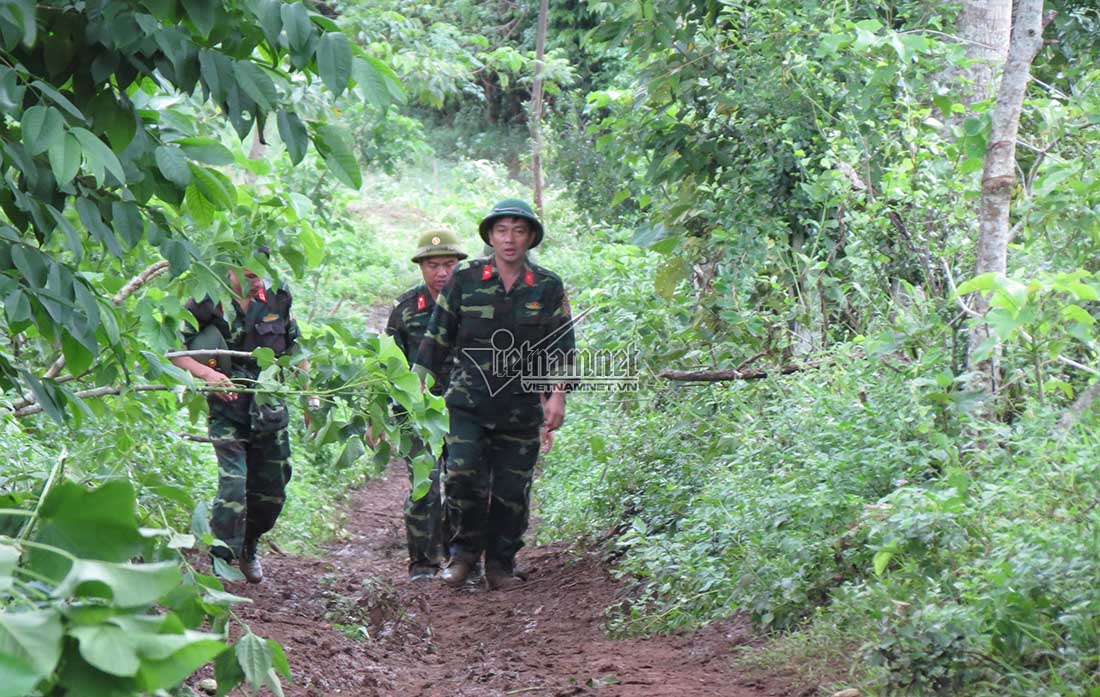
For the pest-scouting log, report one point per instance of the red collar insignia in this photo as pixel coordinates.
(487, 272)
(261, 295)
(421, 303)
(529, 277)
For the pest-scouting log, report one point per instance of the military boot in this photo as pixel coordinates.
(250, 562)
(502, 576)
(457, 571)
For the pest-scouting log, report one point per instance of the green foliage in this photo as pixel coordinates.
(87, 623)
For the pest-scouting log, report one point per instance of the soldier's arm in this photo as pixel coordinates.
(442, 331)
(561, 349)
(203, 312)
(395, 327)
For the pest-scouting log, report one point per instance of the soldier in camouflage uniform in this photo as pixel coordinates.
(437, 255)
(250, 438)
(501, 321)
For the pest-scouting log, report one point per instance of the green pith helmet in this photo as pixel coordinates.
(438, 243)
(210, 338)
(514, 208)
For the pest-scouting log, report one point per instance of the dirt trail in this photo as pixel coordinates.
(352, 624)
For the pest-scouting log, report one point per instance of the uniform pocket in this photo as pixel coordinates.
(271, 335)
(474, 328)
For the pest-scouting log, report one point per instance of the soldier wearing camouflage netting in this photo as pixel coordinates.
(437, 254)
(250, 436)
(504, 323)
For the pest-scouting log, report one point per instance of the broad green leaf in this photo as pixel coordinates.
(90, 523)
(78, 357)
(167, 659)
(93, 223)
(254, 82)
(227, 672)
(204, 14)
(882, 560)
(65, 156)
(294, 135)
(51, 400)
(669, 276)
(206, 150)
(313, 245)
(108, 648)
(215, 187)
(17, 676)
(376, 82)
(33, 637)
(335, 147)
(299, 33)
(224, 570)
(278, 659)
(1076, 313)
(59, 99)
(98, 156)
(353, 450)
(422, 466)
(334, 61)
(255, 658)
(200, 209)
(983, 283)
(43, 127)
(176, 252)
(269, 12)
(128, 222)
(173, 165)
(127, 585)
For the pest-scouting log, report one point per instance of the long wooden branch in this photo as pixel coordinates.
(208, 352)
(92, 393)
(728, 375)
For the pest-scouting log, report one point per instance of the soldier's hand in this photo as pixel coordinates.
(547, 441)
(553, 411)
(217, 379)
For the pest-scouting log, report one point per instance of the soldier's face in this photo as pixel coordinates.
(510, 238)
(245, 284)
(437, 271)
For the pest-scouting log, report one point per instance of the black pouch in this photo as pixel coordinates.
(268, 418)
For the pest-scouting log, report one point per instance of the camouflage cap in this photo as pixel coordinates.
(515, 208)
(438, 243)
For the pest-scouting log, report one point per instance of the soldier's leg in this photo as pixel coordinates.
(229, 513)
(466, 483)
(268, 474)
(512, 456)
(423, 532)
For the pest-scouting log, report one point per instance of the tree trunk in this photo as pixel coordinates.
(999, 178)
(536, 106)
(985, 27)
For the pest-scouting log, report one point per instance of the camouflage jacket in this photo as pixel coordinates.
(268, 323)
(506, 347)
(408, 324)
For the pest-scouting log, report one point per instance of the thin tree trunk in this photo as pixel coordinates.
(999, 179)
(985, 27)
(536, 105)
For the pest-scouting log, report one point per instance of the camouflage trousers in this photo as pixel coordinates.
(424, 517)
(253, 470)
(487, 488)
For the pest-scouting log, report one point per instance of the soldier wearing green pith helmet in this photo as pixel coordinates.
(503, 326)
(437, 254)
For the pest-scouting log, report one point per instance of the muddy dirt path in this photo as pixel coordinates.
(352, 624)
